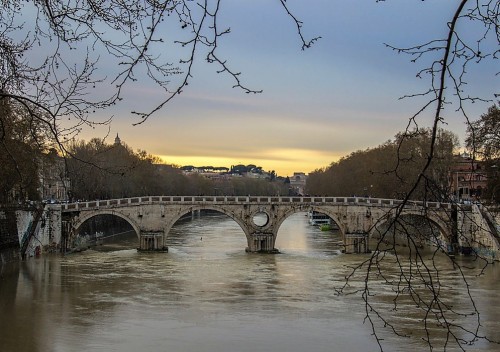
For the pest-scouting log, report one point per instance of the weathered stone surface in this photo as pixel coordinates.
(358, 218)
(9, 240)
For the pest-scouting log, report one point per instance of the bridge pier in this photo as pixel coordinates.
(261, 243)
(152, 242)
(356, 243)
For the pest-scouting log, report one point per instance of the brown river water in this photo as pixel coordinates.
(207, 294)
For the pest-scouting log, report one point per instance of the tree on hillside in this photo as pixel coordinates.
(391, 169)
(102, 171)
(413, 163)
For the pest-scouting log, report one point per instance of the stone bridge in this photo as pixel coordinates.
(358, 218)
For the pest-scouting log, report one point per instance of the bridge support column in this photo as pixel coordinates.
(466, 230)
(261, 243)
(356, 243)
(152, 241)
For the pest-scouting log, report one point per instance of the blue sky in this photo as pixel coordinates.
(317, 105)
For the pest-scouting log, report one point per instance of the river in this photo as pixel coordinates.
(207, 294)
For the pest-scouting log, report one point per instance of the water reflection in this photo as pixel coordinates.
(207, 294)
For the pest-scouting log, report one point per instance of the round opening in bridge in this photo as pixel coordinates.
(260, 219)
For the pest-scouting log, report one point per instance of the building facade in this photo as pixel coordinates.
(298, 183)
(468, 178)
(54, 183)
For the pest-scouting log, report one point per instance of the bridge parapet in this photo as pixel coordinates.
(152, 217)
(250, 200)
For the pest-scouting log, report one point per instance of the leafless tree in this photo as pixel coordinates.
(61, 62)
(52, 53)
(418, 277)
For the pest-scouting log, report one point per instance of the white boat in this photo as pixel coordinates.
(316, 218)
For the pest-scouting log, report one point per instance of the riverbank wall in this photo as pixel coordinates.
(27, 231)
(9, 239)
(46, 230)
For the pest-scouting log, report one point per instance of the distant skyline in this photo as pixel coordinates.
(317, 105)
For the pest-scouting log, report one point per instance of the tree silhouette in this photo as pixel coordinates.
(78, 37)
(417, 278)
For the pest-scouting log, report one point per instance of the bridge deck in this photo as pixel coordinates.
(249, 200)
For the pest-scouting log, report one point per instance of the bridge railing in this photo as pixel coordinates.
(248, 200)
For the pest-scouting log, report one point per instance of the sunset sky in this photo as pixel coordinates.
(317, 105)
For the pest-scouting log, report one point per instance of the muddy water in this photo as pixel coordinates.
(207, 294)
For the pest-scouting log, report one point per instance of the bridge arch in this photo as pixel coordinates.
(220, 209)
(81, 220)
(285, 214)
(442, 239)
(334, 215)
(294, 210)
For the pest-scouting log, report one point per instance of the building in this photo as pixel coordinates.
(468, 178)
(298, 183)
(54, 183)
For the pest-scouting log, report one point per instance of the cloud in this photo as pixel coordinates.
(318, 105)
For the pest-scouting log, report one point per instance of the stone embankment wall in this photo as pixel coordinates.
(17, 223)
(484, 224)
(9, 239)
(47, 235)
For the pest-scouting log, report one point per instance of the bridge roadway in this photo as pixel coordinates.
(358, 218)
